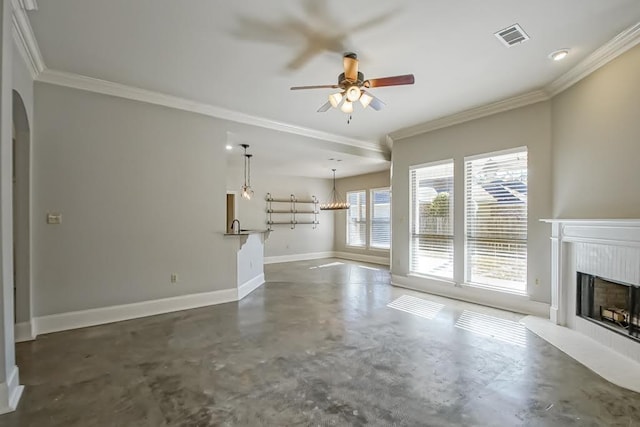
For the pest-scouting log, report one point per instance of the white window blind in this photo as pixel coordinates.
(381, 218)
(496, 221)
(431, 248)
(357, 218)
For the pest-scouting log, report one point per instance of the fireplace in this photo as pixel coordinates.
(610, 304)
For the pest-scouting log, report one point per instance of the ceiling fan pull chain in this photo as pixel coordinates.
(349, 119)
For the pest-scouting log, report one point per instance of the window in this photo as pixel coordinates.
(496, 220)
(431, 247)
(357, 218)
(381, 218)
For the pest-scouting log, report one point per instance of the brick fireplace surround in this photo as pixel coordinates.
(609, 249)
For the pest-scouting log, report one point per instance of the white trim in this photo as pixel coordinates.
(24, 332)
(297, 257)
(604, 361)
(602, 56)
(77, 81)
(518, 303)
(472, 114)
(117, 313)
(26, 40)
(371, 259)
(250, 286)
(10, 392)
(440, 280)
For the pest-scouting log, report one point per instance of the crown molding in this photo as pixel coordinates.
(25, 39)
(472, 114)
(76, 81)
(602, 56)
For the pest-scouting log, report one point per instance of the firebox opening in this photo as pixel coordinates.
(610, 304)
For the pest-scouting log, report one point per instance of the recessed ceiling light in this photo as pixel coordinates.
(229, 147)
(559, 54)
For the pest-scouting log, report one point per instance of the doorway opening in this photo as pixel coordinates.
(21, 156)
(231, 210)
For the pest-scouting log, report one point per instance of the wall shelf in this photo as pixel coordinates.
(293, 210)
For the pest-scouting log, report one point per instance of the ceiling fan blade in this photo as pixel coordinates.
(375, 103)
(324, 107)
(315, 87)
(350, 63)
(406, 79)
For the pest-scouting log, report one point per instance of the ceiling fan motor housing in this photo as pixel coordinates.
(344, 83)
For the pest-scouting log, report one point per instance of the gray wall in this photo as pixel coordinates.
(596, 143)
(353, 183)
(528, 126)
(283, 241)
(141, 190)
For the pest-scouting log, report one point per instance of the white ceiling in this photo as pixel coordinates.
(238, 55)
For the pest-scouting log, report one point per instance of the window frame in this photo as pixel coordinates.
(466, 262)
(412, 214)
(348, 244)
(370, 219)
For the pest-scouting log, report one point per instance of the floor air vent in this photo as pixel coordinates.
(512, 35)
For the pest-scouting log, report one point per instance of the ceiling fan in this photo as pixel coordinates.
(352, 87)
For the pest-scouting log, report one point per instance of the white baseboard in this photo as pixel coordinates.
(10, 392)
(24, 332)
(298, 257)
(381, 260)
(250, 286)
(99, 316)
(501, 300)
(612, 366)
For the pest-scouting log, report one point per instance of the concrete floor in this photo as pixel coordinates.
(316, 345)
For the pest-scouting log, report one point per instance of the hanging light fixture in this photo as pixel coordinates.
(247, 192)
(334, 202)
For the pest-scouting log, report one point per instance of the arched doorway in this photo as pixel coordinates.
(21, 219)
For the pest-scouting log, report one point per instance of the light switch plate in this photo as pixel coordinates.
(54, 218)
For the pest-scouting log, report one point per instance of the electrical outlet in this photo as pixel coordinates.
(174, 278)
(54, 218)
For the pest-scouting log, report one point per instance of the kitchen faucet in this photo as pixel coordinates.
(233, 229)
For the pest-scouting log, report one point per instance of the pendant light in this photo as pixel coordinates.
(247, 192)
(334, 202)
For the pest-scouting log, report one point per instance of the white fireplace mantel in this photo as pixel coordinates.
(623, 233)
(610, 249)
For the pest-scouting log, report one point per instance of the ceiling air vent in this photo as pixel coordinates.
(512, 35)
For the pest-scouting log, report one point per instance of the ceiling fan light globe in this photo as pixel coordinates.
(335, 99)
(366, 99)
(353, 93)
(347, 107)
